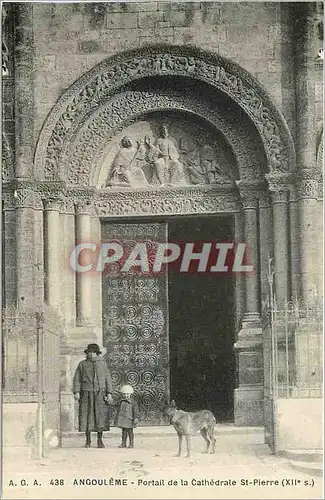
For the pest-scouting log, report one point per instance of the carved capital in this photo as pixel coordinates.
(84, 207)
(279, 186)
(280, 196)
(307, 183)
(9, 201)
(249, 193)
(68, 207)
(54, 205)
(292, 195)
(52, 189)
(27, 197)
(264, 199)
(320, 186)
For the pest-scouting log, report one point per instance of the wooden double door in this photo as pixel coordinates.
(170, 334)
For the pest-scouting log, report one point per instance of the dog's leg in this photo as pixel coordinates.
(180, 437)
(188, 445)
(212, 438)
(205, 437)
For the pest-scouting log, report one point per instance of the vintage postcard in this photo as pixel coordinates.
(162, 249)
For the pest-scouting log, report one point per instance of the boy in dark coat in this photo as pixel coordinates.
(127, 416)
(92, 387)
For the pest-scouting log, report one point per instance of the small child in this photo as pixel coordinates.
(127, 416)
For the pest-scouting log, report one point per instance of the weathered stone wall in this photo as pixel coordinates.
(71, 39)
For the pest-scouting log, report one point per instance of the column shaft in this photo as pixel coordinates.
(307, 193)
(24, 90)
(265, 243)
(83, 280)
(281, 247)
(52, 255)
(252, 312)
(9, 248)
(309, 265)
(240, 280)
(304, 44)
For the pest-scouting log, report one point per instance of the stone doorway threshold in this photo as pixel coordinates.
(168, 430)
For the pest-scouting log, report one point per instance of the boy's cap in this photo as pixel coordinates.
(127, 389)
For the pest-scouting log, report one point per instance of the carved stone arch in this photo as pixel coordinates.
(82, 157)
(115, 73)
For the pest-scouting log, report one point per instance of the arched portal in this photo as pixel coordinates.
(145, 137)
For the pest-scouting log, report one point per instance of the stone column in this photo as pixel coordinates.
(265, 242)
(320, 233)
(250, 207)
(97, 281)
(240, 280)
(52, 253)
(24, 89)
(304, 14)
(29, 268)
(310, 257)
(279, 185)
(9, 248)
(77, 337)
(294, 242)
(68, 298)
(83, 280)
(249, 405)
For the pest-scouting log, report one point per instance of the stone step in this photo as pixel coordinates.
(315, 456)
(310, 468)
(168, 430)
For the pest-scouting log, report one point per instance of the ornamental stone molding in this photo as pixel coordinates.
(107, 79)
(166, 202)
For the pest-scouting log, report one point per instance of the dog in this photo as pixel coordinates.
(186, 423)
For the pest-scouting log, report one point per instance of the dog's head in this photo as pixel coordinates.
(170, 409)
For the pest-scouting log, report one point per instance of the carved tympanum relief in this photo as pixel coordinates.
(162, 153)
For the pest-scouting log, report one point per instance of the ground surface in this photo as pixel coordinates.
(241, 456)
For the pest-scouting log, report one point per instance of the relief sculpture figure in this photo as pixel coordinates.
(125, 170)
(165, 160)
(162, 162)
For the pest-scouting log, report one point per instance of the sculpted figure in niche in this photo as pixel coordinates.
(165, 158)
(203, 166)
(126, 169)
(157, 163)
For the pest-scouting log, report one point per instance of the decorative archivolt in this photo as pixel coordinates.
(84, 155)
(108, 77)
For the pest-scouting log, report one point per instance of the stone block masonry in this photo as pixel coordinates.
(70, 39)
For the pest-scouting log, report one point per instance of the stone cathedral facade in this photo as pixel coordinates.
(148, 120)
